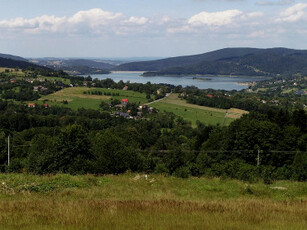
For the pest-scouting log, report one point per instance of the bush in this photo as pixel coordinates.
(182, 172)
(160, 169)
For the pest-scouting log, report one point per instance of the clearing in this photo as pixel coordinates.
(191, 112)
(77, 99)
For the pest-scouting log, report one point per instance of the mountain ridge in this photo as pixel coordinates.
(228, 61)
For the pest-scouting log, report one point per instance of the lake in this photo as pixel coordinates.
(202, 82)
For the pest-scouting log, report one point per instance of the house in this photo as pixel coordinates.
(125, 88)
(125, 101)
(159, 91)
(301, 92)
(31, 105)
(209, 95)
(46, 106)
(141, 107)
(122, 114)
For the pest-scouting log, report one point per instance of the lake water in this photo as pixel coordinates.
(202, 82)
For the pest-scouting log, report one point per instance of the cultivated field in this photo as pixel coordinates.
(77, 99)
(191, 112)
(133, 201)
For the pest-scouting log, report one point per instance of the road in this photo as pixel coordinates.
(166, 96)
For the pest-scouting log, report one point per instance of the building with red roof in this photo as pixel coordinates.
(125, 101)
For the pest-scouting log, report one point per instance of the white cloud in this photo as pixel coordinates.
(91, 20)
(294, 13)
(214, 19)
(136, 21)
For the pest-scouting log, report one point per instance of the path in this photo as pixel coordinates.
(166, 96)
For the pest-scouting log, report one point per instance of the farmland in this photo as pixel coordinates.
(193, 113)
(77, 99)
(134, 201)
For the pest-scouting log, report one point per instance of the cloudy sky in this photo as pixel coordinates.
(131, 28)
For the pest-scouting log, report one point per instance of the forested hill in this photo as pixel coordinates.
(13, 57)
(10, 63)
(186, 60)
(229, 61)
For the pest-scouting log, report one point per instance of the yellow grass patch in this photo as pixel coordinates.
(235, 113)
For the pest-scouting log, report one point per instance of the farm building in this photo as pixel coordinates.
(125, 101)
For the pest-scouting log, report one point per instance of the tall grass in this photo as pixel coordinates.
(133, 201)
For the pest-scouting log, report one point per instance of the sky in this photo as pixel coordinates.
(148, 28)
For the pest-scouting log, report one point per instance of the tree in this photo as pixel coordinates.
(111, 154)
(72, 150)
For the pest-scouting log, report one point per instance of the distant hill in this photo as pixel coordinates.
(75, 66)
(83, 70)
(10, 63)
(186, 60)
(228, 61)
(88, 63)
(16, 58)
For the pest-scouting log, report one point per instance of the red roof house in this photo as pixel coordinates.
(31, 105)
(125, 101)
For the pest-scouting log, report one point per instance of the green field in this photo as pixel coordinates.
(77, 99)
(133, 201)
(193, 113)
(12, 72)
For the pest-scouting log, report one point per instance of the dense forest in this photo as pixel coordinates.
(230, 61)
(52, 140)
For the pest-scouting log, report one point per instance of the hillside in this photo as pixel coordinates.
(186, 60)
(229, 61)
(13, 57)
(10, 63)
(75, 66)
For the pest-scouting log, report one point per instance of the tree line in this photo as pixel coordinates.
(52, 140)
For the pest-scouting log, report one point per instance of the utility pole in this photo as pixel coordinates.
(258, 158)
(8, 150)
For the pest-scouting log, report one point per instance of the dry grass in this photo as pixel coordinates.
(133, 201)
(235, 113)
(160, 214)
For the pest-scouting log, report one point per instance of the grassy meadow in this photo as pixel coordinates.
(12, 72)
(133, 201)
(193, 112)
(77, 99)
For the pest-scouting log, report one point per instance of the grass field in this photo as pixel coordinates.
(193, 112)
(76, 99)
(133, 201)
(12, 72)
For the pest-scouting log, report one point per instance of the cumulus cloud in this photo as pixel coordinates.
(214, 19)
(136, 20)
(94, 21)
(294, 13)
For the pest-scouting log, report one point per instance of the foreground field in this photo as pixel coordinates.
(193, 112)
(134, 201)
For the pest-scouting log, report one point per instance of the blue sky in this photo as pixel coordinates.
(130, 28)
